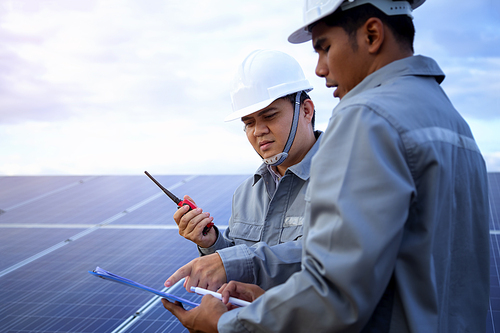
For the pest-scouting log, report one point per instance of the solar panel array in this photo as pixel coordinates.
(54, 229)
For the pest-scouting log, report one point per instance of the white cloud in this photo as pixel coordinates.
(100, 87)
(113, 147)
(492, 161)
(485, 132)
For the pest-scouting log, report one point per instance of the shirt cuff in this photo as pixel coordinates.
(228, 322)
(219, 243)
(237, 261)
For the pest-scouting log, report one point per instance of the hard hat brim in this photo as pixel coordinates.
(302, 34)
(249, 110)
(312, 15)
(263, 104)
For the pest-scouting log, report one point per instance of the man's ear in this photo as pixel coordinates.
(374, 34)
(308, 107)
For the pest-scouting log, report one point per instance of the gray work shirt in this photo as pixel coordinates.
(396, 234)
(266, 226)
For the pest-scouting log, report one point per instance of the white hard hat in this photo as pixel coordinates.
(315, 10)
(263, 77)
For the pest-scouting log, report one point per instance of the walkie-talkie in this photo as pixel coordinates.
(179, 202)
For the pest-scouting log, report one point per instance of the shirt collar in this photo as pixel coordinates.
(411, 66)
(300, 169)
(276, 176)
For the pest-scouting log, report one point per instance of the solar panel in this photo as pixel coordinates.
(493, 320)
(146, 256)
(154, 319)
(19, 190)
(90, 202)
(121, 223)
(54, 229)
(494, 192)
(18, 244)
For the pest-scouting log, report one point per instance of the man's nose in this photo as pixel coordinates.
(321, 67)
(260, 129)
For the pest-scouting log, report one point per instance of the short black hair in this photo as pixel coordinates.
(352, 19)
(303, 97)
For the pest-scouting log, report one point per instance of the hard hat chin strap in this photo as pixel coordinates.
(280, 158)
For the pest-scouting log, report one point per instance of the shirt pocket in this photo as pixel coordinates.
(292, 229)
(245, 232)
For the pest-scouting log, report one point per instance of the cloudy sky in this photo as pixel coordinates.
(122, 86)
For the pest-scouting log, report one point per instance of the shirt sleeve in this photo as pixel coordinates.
(221, 242)
(357, 203)
(261, 264)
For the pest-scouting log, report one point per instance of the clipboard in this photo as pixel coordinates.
(104, 274)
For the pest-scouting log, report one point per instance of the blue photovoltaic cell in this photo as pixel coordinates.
(494, 191)
(215, 189)
(54, 292)
(211, 193)
(52, 226)
(18, 189)
(89, 203)
(20, 243)
(493, 320)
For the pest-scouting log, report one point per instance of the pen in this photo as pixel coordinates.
(232, 300)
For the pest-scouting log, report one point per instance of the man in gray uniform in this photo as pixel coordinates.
(396, 232)
(270, 97)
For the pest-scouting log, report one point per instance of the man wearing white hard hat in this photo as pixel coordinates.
(262, 244)
(396, 235)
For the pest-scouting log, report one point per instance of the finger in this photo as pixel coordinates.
(231, 306)
(195, 221)
(229, 290)
(194, 230)
(179, 274)
(198, 229)
(215, 305)
(180, 213)
(175, 308)
(221, 289)
(188, 216)
(192, 281)
(210, 301)
(187, 197)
